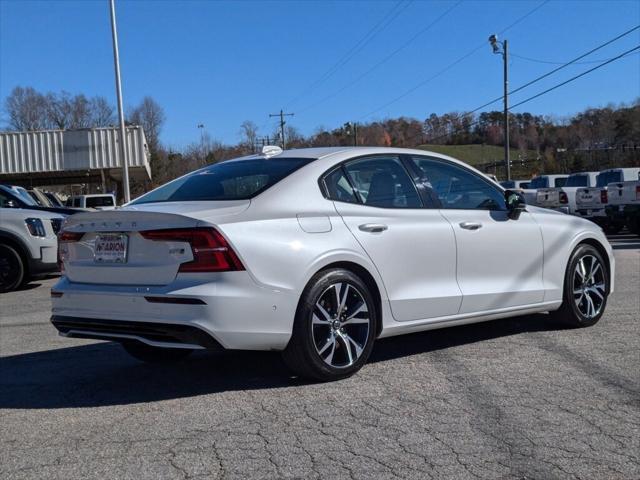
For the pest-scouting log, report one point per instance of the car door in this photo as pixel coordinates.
(500, 260)
(413, 248)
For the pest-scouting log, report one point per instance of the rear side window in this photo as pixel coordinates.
(76, 202)
(383, 182)
(339, 188)
(232, 180)
(93, 202)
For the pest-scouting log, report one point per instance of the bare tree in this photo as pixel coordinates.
(27, 109)
(249, 133)
(65, 111)
(101, 112)
(150, 115)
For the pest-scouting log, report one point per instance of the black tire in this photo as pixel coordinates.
(148, 354)
(349, 338)
(12, 269)
(612, 228)
(571, 312)
(633, 224)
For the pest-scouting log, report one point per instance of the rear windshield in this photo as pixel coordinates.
(560, 182)
(93, 202)
(232, 180)
(578, 181)
(606, 178)
(539, 182)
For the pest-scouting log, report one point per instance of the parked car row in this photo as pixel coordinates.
(29, 223)
(610, 198)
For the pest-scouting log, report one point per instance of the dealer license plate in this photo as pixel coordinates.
(111, 248)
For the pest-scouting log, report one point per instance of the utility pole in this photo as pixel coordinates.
(502, 48)
(123, 134)
(282, 124)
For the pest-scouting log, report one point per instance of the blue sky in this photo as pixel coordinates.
(220, 63)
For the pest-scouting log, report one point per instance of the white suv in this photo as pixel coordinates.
(28, 245)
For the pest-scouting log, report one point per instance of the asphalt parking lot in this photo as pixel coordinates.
(519, 398)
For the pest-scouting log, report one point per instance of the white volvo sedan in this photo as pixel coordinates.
(318, 252)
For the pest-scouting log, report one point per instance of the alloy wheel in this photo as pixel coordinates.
(340, 325)
(589, 287)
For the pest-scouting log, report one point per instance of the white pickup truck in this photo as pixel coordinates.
(591, 202)
(544, 190)
(564, 199)
(624, 204)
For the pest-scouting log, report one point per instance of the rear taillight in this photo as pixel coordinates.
(603, 196)
(637, 192)
(564, 198)
(211, 252)
(64, 239)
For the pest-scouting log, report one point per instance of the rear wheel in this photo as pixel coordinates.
(147, 353)
(586, 287)
(12, 271)
(334, 328)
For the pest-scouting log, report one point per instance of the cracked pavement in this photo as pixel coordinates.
(516, 398)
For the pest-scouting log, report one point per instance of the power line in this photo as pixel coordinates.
(453, 64)
(529, 59)
(383, 23)
(551, 72)
(576, 77)
(384, 60)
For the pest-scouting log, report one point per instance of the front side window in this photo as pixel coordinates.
(232, 180)
(539, 182)
(454, 187)
(382, 182)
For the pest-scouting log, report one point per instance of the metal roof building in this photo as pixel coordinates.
(59, 157)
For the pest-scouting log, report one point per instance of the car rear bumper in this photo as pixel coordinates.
(229, 307)
(155, 334)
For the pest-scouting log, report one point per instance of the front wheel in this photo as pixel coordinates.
(334, 328)
(147, 353)
(586, 287)
(12, 271)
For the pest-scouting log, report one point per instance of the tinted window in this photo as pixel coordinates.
(577, 181)
(525, 185)
(539, 182)
(93, 202)
(232, 180)
(339, 188)
(606, 178)
(560, 182)
(76, 202)
(383, 182)
(508, 184)
(455, 187)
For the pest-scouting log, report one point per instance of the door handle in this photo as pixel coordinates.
(373, 227)
(470, 225)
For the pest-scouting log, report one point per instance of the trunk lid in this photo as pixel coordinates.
(589, 197)
(113, 251)
(548, 197)
(624, 193)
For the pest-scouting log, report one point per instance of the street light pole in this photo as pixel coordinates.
(123, 134)
(503, 49)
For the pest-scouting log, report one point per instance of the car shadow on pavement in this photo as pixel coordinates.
(102, 374)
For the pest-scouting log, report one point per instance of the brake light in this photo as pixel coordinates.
(637, 192)
(564, 198)
(211, 252)
(603, 196)
(65, 237)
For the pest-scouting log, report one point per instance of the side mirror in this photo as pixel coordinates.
(515, 203)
